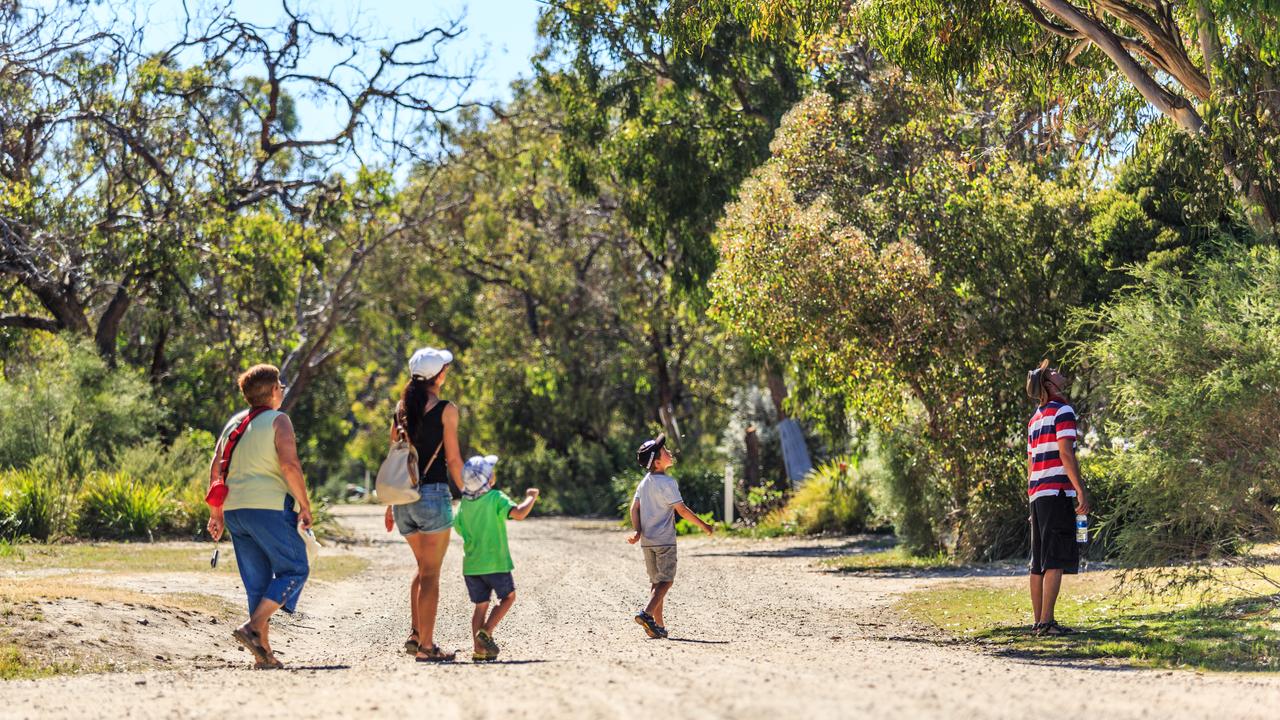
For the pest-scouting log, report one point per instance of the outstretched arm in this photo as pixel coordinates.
(635, 520)
(521, 511)
(692, 517)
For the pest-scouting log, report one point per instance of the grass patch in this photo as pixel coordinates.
(14, 665)
(1227, 628)
(889, 560)
(155, 558)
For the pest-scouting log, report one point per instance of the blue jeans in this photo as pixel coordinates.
(432, 512)
(270, 554)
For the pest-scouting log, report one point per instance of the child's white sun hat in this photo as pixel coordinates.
(477, 475)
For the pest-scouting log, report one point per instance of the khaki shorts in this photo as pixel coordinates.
(661, 563)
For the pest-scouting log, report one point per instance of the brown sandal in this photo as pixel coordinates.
(433, 654)
(411, 645)
(249, 639)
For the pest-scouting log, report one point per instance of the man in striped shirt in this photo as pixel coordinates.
(1056, 493)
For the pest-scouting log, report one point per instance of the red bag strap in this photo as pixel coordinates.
(234, 438)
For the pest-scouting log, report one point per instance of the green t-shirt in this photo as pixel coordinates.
(482, 523)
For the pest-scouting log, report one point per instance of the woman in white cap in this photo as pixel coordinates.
(431, 425)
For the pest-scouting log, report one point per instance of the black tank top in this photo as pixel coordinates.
(428, 436)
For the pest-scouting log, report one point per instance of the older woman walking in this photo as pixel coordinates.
(265, 498)
(431, 425)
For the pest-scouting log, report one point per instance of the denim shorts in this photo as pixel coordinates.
(270, 555)
(432, 512)
(482, 587)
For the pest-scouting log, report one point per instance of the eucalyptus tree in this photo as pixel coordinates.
(1210, 67)
(132, 164)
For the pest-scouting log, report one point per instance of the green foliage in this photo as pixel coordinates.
(113, 506)
(64, 404)
(899, 269)
(684, 527)
(30, 505)
(836, 498)
(576, 482)
(1188, 358)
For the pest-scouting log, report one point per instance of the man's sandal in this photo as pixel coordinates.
(1053, 629)
(433, 654)
(411, 645)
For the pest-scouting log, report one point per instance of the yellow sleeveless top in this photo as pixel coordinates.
(254, 479)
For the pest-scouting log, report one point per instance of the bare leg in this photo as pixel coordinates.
(1037, 587)
(413, 606)
(477, 622)
(259, 622)
(499, 612)
(429, 549)
(1052, 583)
(657, 595)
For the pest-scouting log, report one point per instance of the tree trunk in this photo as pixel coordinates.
(751, 468)
(1261, 212)
(109, 325)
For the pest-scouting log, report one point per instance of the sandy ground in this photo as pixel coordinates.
(757, 631)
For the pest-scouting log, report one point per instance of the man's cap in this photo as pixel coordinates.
(427, 363)
(648, 451)
(477, 475)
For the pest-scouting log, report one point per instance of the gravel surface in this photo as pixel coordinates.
(758, 630)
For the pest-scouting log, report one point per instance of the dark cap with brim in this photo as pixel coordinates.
(648, 451)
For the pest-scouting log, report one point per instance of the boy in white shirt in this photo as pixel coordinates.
(653, 510)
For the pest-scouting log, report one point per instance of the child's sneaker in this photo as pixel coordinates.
(662, 632)
(490, 647)
(651, 628)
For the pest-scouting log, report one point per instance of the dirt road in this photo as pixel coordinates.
(757, 631)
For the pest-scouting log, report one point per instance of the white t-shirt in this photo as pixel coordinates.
(658, 494)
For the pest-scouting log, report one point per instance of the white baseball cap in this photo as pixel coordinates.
(477, 475)
(427, 363)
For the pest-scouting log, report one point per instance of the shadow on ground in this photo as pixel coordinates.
(1237, 636)
(850, 546)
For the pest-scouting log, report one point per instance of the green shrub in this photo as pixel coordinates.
(575, 482)
(906, 493)
(187, 514)
(30, 505)
(64, 404)
(1189, 361)
(117, 507)
(175, 465)
(834, 498)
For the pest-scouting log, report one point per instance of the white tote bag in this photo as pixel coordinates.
(397, 482)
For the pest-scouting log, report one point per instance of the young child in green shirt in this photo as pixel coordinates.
(486, 563)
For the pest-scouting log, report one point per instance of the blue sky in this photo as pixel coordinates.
(499, 34)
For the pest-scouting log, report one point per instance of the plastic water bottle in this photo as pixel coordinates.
(1082, 529)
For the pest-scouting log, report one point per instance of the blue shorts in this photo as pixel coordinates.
(432, 512)
(482, 587)
(270, 555)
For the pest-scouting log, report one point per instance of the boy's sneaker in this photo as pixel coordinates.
(662, 631)
(490, 647)
(651, 628)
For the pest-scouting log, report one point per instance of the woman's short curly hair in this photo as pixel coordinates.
(258, 383)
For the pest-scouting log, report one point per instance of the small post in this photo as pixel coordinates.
(728, 494)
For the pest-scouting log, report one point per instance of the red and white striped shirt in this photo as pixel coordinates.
(1053, 421)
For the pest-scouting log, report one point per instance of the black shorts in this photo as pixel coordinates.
(1053, 535)
(483, 587)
